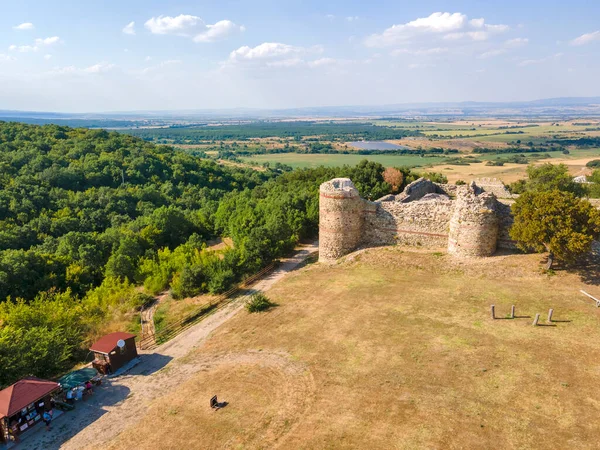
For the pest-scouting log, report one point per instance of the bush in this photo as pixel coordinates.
(259, 302)
(593, 164)
(460, 183)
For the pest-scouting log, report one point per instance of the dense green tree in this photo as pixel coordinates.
(556, 222)
(547, 177)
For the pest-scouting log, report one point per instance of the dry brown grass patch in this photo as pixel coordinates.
(404, 355)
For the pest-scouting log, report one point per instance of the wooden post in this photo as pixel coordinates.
(512, 312)
(550, 315)
(592, 297)
(537, 318)
(493, 311)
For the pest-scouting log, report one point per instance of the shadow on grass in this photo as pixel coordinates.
(587, 268)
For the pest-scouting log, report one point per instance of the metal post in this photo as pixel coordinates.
(536, 320)
(493, 311)
(142, 321)
(550, 315)
(512, 312)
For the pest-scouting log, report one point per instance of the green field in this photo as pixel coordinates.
(296, 160)
(574, 154)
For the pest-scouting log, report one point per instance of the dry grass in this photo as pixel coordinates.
(508, 173)
(395, 349)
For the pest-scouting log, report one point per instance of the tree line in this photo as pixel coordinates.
(88, 216)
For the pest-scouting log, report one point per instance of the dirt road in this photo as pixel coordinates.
(119, 402)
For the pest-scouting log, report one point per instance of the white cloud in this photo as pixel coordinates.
(586, 38)
(99, 68)
(148, 58)
(322, 62)
(530, 62)
(24, 26)
(34, 48)
(508, 45)
(266, 50)
(517, 42)
(290, 62)
(419, 52)
(188, 25)
(477, 23)
(5, 58)
(47, 41)
(23, 48)
(492, 53)
(330, 16)
(47, 57)
(277, 55)
(180, 25)
(352, 18)
(160, 65)
(219, 30)
(450, 26)
(129, 28)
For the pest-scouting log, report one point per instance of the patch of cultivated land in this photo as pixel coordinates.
(393, 349)
(297, 160)
(509, 173)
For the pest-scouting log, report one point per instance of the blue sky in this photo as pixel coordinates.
(84, 56)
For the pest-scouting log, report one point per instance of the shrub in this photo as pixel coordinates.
(460, 183)
(259, 302)
(593, 163)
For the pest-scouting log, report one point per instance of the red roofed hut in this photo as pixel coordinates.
(113, 351)
(22, 405)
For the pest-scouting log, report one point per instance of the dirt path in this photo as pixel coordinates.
(120, 402)
(148, 315)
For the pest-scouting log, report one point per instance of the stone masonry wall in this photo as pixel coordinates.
(493, 186)
(341, 219)
(420, 223)
(473, 224)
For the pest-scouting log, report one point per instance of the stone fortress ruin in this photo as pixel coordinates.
(470, 220)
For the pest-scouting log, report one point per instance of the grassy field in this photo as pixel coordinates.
(508, 173)
(314, 160)
(395, 349)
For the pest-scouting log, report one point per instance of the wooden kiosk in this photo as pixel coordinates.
(113, 351)
(22, 405)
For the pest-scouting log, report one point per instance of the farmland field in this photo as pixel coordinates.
(330, 160)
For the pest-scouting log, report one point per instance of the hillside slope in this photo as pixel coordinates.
(395, 349)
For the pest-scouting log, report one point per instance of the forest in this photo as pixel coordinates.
(297, 130)
(93, 223)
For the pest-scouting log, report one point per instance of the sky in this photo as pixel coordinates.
(130, 55)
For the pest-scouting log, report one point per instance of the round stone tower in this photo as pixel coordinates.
(341, 219)
(474, 225)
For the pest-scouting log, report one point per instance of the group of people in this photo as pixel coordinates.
(75, 393)
(43, 408)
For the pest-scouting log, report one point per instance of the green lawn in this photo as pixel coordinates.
(296, 160)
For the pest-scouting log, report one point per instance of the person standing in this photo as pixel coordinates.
(89, 389)
(47, 419)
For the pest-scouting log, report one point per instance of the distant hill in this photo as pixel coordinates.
(551, 107)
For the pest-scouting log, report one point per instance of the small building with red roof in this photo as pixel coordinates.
(113, 351)
(23, 403)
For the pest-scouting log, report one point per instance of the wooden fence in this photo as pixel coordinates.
(151, 341)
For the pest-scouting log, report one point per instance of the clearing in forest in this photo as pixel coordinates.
(395, 348)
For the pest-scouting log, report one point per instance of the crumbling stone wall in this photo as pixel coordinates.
(474, 223)
(420, 223)
(417, 190)
(341, 219)
(493, 186)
